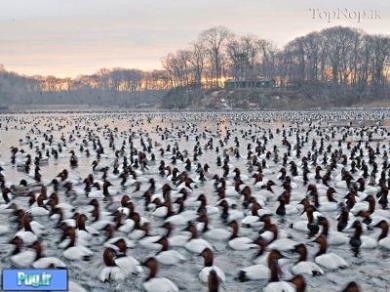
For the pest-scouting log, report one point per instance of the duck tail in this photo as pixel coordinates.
(242, 276)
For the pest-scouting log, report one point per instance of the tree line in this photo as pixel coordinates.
(337, 58)
(338, 55)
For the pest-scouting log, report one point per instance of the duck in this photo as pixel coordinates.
(73, 252)
(42, 262)
(344, 222)
(329, 261)
(209, 266)
(166, 256)
(84, 233)
(130, 224)
(146, 240)
(271, 235)
(38, 209)
(330, 204)
(220, 234)
(365, 190)
(284, 207)
(239, 243)
(256, 211)
(6, 197)
(21, 189)
(302, 266)
(367, 204)
(260, 271)
(175, 240)
(295, 284)
(19, 258)
(26, 233)
(128, 264)
(194, 244)
(383, 239)
(182, 216)
(229, 214)
(157, 284)
(97, 168)
(110, 239)
(266, 192)
(110, 272)
(361, 241)
(33, 257)
(310, 225)
(333, 237)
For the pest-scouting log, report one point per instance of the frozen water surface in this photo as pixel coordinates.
(370, 269)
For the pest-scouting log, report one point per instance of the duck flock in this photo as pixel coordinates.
(245, 201)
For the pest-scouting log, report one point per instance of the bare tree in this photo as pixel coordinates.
(268, 53)
(213, 40)
(312, 44)
(380, 56)
(197, 61)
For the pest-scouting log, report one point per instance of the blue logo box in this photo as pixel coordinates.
(35, 280)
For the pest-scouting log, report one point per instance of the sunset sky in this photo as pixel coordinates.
(72, 37)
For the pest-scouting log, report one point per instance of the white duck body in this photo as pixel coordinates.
(28, 237)
(160, 212)
(160, 285)
(178, 240)
(77, 253)
(300, 225)
(4, 228)
(241, 243)
(38, 211)
(235, 215)
(337, 238)
(255, 272)
(137, 234)
(307, 268)
(331, 261)
(128, 265)
(111, 273)
(110, 242)
(263, 196)
(281, 286)
(216, 233)
(368, 242)
(182, 218)
(149, 242)
(282, 244)
(197, 245)
(204, 273)
(170, 257)
(24, 259)
(127, 226)
(6, 208)
(48, 262)
(95, 194)
(384, 243)
(251, 221)
(263, 260)
(327, 206)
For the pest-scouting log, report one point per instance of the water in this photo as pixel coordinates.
(369, 270)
